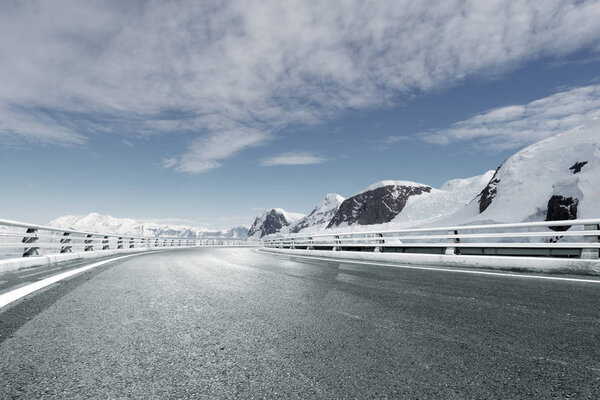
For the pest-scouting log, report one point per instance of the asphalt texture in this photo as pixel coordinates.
(232, 323)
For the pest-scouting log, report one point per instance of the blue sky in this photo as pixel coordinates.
(184, 112)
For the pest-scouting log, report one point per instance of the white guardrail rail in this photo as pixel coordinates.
(568, 239)
(18, 239)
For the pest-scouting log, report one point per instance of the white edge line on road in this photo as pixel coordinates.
(16, 294)
(449, 269)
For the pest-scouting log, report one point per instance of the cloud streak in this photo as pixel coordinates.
(293, 158)
(232, 74)
(207, 152)
(518, 125)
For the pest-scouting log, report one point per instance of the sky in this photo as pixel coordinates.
(211, 112)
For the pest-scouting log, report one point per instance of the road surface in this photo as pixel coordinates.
(233, 323)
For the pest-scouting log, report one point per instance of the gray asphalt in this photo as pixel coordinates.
(231, 323)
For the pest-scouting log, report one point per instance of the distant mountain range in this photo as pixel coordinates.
(95, 222)
(400, 202)
(554, 179)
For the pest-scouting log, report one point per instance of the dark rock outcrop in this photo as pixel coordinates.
(269, 223)
(489, 192)
(561, 208)
(375, 206)
(576, 168)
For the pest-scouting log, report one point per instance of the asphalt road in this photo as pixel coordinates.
(231, 323)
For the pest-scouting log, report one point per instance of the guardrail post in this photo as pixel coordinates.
(451, 250)
(131, 243)
(65, 241)
(89, 243)
(105, 245)
(33, 250)
(120, 243)
(590, 254)
(310, 244)
(338, 243)
(379, 249)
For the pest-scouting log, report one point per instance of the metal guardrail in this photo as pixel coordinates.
(568, 238)
(18, 239)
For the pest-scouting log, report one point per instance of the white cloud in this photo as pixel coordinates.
(207, 152)
(395, 139)
(298, 158)
(74, 69)
(517, 125)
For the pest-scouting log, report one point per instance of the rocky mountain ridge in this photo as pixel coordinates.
(272, 221)
(321, 215)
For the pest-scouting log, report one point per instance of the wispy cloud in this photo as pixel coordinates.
(207, 152)
(232, 74)
(299, 158)
(388, 142)
(517, 125)
(395, 139)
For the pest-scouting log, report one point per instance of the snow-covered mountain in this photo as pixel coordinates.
(377, 204)
(238, 232)
(402, 204)
(273, 220)
(320, 215)
(438, 203)
(556, 178)
(95, 222)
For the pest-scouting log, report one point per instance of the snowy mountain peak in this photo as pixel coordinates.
(467, 184)
(379, 203)
(406, 206)
(331, 201)
(273, 220)
(289, 216)
(320, 215)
